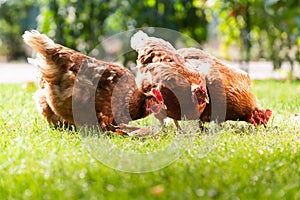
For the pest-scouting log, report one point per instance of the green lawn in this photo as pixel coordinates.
(235, 162)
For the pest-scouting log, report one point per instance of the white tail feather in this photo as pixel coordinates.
(138, 40)
(42, 44)
(39, 42)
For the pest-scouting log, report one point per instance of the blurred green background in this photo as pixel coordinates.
(238, 30)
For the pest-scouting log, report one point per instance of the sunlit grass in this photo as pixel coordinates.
(235, 161)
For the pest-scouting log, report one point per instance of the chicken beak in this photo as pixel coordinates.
(163, 106)
(206, 99)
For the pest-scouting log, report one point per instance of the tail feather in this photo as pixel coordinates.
(141, 40)
(138, 40)
(39, 42)
(52, 70)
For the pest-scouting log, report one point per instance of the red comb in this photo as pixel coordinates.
(202, 87)
(200, 82)
(268, 115)
(157, 94)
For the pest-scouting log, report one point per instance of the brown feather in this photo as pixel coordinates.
(110, 88)
(228, 87)
(174, 75)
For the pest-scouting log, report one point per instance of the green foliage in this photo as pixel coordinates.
(38, 162)
(263, 29)
(16, 17)
(186, 16)
(80, 25)
(76, 24)
(284, 32)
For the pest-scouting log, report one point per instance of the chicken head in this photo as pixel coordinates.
(260, 117)
(155, 102)
(200, 95)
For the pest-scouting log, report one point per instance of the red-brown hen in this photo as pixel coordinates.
(229, 90)
(104, 91)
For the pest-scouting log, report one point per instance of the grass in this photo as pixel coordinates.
(235, 162)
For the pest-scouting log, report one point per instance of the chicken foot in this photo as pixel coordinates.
(128, 130)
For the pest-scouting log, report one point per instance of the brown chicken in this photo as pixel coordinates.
(79, 90)
(181, 85)
(228, 89)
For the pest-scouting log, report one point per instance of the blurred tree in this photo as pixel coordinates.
(16, 17)
(80, 24)
(283, 31)
(186, 16)
(76, 24)
(261, 28)
(267, 29)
